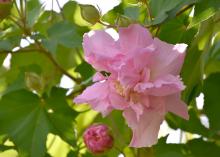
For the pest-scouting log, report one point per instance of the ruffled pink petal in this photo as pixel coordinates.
(118, 102)
(134, 68)
(176, 106)
(134, 37)
(145, 130)
(97, 96)
(127, 75)
(168, 58)
(163, 86)
(101, 50)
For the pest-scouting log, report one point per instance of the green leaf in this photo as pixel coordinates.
(212, 59)
(45, 21)
(67, 57)
(193, 125)
(86, 71)
(201, 148)
(193, 148)
(113, 14)
(204, 10)
(63, 33)
(23, 115)
(161, 149)
(5, 45)
(11, 37)
(211, 91)
(61, 115)
(159, 8)
(34, 9)
(192, 71)
(35, 63)
(175, 31)
(167, 9)
(132, 12)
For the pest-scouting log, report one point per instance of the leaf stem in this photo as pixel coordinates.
(40, 48)
(149, 11)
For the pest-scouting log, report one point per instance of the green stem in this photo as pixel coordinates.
(22, 8)
(149, 11)
(17, 8)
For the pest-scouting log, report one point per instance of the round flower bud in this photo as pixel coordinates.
(90, 13)
(5, 8)
(98, 138)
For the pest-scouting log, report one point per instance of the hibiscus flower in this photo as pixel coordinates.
(144, 79)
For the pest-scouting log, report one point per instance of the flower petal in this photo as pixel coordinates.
(97, 96)
(145, 131)
(101, 51)
(134, 37)
(176, 106)
(163, 86)
(168, 58)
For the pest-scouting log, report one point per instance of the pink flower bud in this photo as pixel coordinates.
(98, 138)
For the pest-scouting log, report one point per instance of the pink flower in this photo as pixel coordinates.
(98, 139)
(144, 79)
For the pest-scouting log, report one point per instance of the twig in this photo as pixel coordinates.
(49, 56)
(61, 10)
(41, 49)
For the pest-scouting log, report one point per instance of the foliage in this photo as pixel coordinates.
(38, 117)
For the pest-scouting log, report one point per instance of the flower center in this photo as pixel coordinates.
(129, 95)
(119, 88)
